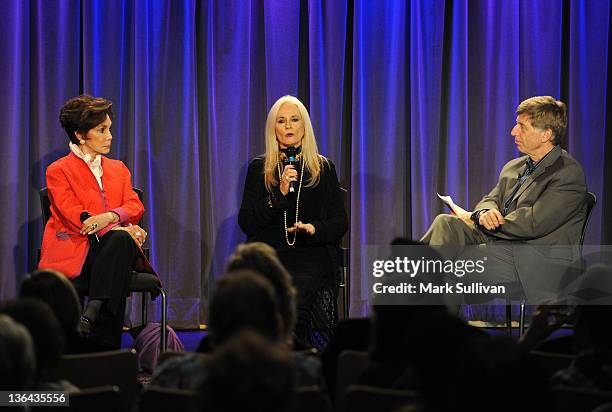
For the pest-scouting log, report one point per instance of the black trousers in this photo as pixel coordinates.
(106, 276)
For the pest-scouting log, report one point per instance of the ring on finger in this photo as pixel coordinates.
(94, 225)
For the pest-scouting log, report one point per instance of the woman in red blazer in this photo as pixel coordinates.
(92, 236)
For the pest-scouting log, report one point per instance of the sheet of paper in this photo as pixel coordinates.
(448, 201)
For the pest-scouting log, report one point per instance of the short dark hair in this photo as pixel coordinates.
(243, 299)
(262, 258)
(39, 320)
(83, 113)
(248, 372)
(58, 292)
(17, 359)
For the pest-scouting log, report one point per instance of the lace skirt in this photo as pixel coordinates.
(314, 277)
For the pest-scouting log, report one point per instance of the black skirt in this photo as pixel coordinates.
(314, 276)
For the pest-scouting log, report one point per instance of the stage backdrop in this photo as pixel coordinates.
(408, 98)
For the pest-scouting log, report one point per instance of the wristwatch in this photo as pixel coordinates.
(475, 216)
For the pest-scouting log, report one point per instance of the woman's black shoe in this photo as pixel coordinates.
(85, 326)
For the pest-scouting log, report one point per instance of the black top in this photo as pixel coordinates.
(261, 212)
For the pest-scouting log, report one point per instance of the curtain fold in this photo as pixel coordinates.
(40, 68)
(380, 135)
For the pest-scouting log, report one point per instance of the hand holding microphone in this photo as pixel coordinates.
(291, 152)
(288, 176)
(89, 228)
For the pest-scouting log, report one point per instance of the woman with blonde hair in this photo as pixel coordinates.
(293, 202)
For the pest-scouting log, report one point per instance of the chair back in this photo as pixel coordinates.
(570, 399)
(91, 370)
(99, 399)
(550, 363)
(590, 199)
(158, 399)
(360, 398)
(45, 205)
(163, 357)
(310, 398)
(351, 365)
(606, 407)
(140, 194)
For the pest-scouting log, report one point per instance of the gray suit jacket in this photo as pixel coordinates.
(545, 218)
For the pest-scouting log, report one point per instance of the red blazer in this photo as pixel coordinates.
(73, 189)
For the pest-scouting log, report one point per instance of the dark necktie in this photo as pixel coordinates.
(531, 167)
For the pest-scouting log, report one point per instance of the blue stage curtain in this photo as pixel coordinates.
(408, 98)
(39, 69)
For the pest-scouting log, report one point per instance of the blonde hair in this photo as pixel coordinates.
(545, 112)
(310, 153)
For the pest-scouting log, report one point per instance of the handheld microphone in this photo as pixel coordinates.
(291, 152)
(93, 239)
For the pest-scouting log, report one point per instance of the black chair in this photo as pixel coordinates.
(606, 407)
(98, 399)
(361, 398)
(309, 398)
(163, 357)
(168, 355)
(91, 370)
(570, 399)
(515, 291)
(549, 362)
(157, 399)
(344, 273)
(139, 283)
(351, 365)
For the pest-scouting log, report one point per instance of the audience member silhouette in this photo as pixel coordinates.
(17, 358)
(419, 345)
(263, 259)
(47, 336)
(592, 367)
(241, 299)
(59, 293)
(455, 367)
(248, 372)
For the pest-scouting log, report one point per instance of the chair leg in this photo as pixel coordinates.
(508, 316)
(346, 291)
(143, 309)
(522, 319)
(509, 320)
(164, 317)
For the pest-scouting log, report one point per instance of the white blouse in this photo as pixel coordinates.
(95, 164)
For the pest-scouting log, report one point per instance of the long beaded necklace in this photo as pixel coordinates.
(297, 204)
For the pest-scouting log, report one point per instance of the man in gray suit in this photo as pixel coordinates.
(534, 215)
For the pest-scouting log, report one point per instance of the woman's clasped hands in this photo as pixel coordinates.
(138, 234)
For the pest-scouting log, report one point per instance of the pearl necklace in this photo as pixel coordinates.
(297, 204)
